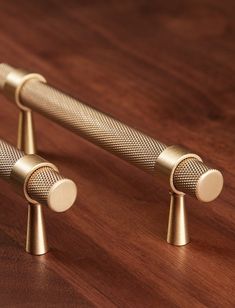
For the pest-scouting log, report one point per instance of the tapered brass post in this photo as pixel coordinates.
(40, 183)
(36, 242)
(167, 162)
(181, 169)
(13, 85)
(36, 239)
(177, 232)
(26, 138)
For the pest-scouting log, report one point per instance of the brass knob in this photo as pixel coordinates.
(48, 187)
(193, 177)
(40, 183)
(36, 179)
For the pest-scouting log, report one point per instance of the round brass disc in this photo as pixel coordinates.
(209, 185)
(62, 195)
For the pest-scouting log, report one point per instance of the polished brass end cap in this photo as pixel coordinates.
(62, 195)
(209, 185)
(14, 83)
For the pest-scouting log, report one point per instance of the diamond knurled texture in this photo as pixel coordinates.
(110, 134)
(40, 183)
(8, 157)
(187, 174)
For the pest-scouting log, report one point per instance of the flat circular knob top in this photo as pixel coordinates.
(49, 188)
(62, 195)
(193, 177)
(209, 185)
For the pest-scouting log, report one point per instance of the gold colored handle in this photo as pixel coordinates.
(186, 172)
(37, 179)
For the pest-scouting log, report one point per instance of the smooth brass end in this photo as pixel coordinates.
(49, 188)
(40, 182)
(62, 195)
(209, 185)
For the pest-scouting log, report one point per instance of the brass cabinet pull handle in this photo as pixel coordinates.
(184, 171)
(41, 184)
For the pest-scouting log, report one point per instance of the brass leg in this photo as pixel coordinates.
(26, 140)
(177, 233)
(36, 241)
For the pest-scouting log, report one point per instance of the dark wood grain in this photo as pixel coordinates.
(166, 68)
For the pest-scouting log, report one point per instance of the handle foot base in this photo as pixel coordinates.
(36, 240)
(177, 233)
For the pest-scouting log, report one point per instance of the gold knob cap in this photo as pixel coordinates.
(193, 177)
(49, 188)
(209, 185)
(62, 195)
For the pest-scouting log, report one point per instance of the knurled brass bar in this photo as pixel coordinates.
(114, 136)
(99, 128)
(9, 155)
(49, 187)
(93, 125)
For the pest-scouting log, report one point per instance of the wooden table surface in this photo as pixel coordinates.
(166, 68)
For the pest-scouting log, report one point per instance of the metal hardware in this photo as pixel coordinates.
(177, 231)
(22, 171)
(183, 171)
(36, 239)
(193, 177)
(169, 159)
(49, 188)
(186, 173)
(12, 88)
(26, 139)
(39, 182)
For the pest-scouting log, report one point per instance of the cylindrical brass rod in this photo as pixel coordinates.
(112, 135)
(99, 128)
